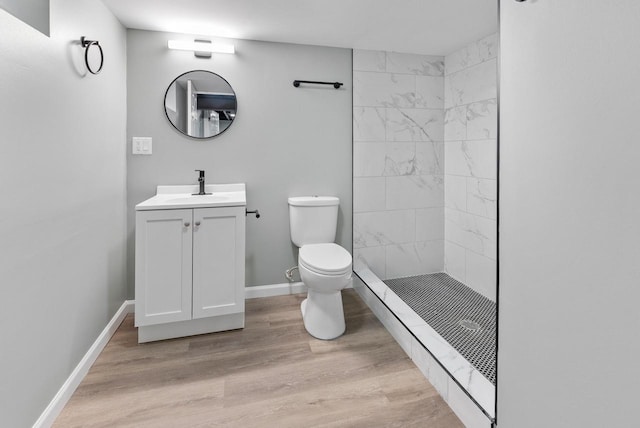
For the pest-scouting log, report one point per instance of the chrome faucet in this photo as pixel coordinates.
(201, 182)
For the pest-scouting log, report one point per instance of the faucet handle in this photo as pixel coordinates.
(201, 171)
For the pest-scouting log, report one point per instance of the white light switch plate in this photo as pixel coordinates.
(141, 145)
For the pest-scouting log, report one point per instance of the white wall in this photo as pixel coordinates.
(62, 193)
(285, 141)
(470, 133)
(398, 189)
(569, 214)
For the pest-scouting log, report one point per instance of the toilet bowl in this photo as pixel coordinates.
(325, 269)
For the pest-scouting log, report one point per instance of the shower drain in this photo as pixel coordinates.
(469, 325)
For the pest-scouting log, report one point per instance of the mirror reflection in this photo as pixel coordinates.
(200, 104)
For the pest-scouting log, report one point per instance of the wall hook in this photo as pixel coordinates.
(86, 44)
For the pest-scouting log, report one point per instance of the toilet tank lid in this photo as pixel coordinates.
(311, 201)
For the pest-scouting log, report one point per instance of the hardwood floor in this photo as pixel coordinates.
(270, 374)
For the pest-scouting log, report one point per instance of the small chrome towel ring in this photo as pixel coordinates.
(86, 44)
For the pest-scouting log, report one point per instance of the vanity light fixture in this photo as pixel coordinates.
(201, 48)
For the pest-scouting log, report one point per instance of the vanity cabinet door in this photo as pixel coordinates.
(163, 266)
(218, 261)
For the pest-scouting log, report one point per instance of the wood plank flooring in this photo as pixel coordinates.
(270, 374)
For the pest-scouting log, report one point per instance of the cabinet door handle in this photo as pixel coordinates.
(187, 224)
(197, 223)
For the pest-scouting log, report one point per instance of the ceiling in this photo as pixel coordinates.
(435, 27)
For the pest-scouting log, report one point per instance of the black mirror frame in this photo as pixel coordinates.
(184, 133)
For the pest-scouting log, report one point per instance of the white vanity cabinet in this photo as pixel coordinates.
(189, 264)
(163, 266)
(218, 261)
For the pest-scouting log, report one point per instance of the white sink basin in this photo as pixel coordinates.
(176, 197)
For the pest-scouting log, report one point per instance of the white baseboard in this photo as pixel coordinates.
(277, 290)
(48, 417)
(274, 290)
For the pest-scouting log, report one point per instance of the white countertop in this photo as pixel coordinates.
(177, 197)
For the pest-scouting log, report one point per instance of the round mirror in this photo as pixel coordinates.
(200, 104)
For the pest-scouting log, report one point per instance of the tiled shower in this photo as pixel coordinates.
(425, 196)
(424, 138)
(470, 195)
(398, 134)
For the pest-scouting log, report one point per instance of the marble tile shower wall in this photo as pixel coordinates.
(470, 128)
(398, 134)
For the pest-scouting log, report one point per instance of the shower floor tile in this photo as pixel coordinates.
(460, 370)
(463, 317)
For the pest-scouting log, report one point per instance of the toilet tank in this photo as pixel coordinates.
(313, 219)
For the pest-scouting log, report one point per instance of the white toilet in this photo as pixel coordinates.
(324, 267)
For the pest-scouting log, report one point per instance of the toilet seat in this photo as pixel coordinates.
(325, 259)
